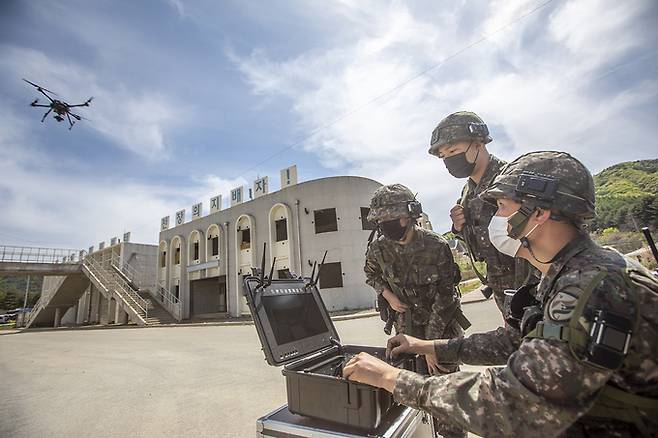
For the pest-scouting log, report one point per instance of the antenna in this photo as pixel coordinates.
(315, 263)
(262, 265)
(269, 279)
(314, 282)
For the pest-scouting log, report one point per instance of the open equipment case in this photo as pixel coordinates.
(295, 331)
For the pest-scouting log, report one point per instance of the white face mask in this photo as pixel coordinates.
(499, 238)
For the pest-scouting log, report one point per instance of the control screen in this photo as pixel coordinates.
(293, 317)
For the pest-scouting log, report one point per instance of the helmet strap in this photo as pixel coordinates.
(526, 244)
(520, 218)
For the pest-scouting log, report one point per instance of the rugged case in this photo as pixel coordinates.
(296, 331)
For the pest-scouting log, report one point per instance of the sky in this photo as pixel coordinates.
(194, 98)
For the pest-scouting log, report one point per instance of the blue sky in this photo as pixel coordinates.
(191, 97)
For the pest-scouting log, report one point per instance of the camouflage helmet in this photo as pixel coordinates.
(462, 125)
(550, 180)
(390, 202)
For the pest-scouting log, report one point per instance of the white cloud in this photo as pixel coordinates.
(53, 206)
(134, 121)
(533, 82)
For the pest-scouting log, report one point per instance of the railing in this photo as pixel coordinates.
(112, 281)
(27, 254)
(170, 302)
(140, 278)
(43, 300)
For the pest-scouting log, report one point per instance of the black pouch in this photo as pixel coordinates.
(383, 307)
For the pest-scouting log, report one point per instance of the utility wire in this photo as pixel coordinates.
(401, 85)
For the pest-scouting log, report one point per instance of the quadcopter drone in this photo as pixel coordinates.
(61, 108)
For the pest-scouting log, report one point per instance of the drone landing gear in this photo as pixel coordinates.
(71, 122)
(45, 115)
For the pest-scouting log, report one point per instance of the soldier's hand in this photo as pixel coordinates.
(368, 369)
(408, 344)
(394, 301)
(458, 217)
(433, 366)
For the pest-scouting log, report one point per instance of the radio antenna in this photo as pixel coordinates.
(315, 263)
(315, 281)
(262, 266)
(269, 279)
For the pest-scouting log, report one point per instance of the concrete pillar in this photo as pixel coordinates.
(123, 316)
(58, 317)
(110, 310)
(75, 313)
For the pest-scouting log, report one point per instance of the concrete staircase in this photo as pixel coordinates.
(157, 315)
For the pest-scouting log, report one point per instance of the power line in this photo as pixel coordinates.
(397, 87)
(388, 92)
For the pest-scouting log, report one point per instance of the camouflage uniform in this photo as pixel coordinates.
(503, 272)
(424, 269)
(552, 386)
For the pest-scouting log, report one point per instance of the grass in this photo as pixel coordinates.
(469, 286)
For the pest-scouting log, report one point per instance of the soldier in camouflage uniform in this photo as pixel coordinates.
(460, 141)
(586, 366)
(413, 269)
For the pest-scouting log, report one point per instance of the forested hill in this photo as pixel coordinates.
(627, 195)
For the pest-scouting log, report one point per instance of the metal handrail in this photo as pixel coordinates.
(170, 301)
(28, 254)
(117, 282)
(43, 300)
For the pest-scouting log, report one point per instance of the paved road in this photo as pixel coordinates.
(183, 381)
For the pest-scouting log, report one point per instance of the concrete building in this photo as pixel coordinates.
(203, 261)
(139, 261)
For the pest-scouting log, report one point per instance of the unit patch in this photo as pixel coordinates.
(562, 306)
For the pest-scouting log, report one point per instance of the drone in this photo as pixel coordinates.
(61, 108)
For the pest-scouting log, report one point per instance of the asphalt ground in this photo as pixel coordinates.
(171, 381)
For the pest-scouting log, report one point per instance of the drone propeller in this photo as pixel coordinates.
(39, 87)
(88, 101)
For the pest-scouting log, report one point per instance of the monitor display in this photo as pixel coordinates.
(293, 317)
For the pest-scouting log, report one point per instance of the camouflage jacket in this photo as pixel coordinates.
(546, 389)
(503, 272)
(424, 268)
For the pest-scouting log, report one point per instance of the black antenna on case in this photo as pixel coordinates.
(262, 267)
(269, 279)
(317, 278)
(315, 263)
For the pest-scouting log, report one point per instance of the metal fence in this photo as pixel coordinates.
(26, 254)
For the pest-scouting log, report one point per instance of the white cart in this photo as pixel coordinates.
(400, 422)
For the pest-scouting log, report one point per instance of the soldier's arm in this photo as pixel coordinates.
(374, 274)
(543, 389)
(488, 348)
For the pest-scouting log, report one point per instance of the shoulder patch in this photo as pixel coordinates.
(562, 305)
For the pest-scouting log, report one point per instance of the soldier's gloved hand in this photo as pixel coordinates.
(368, 369)
(458, 217)
(408, 344)
(394, 301)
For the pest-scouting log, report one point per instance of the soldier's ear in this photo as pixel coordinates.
(542, 215)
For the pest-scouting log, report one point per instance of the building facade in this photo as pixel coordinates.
(203, 261)
(92, 307)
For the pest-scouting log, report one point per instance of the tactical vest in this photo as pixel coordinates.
(581, 335)
(417, 288)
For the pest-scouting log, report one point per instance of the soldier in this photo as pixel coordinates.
(587, 365)
(460, 140)
(413, 270)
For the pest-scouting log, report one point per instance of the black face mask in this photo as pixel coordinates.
(459, 166)
(392, 230)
